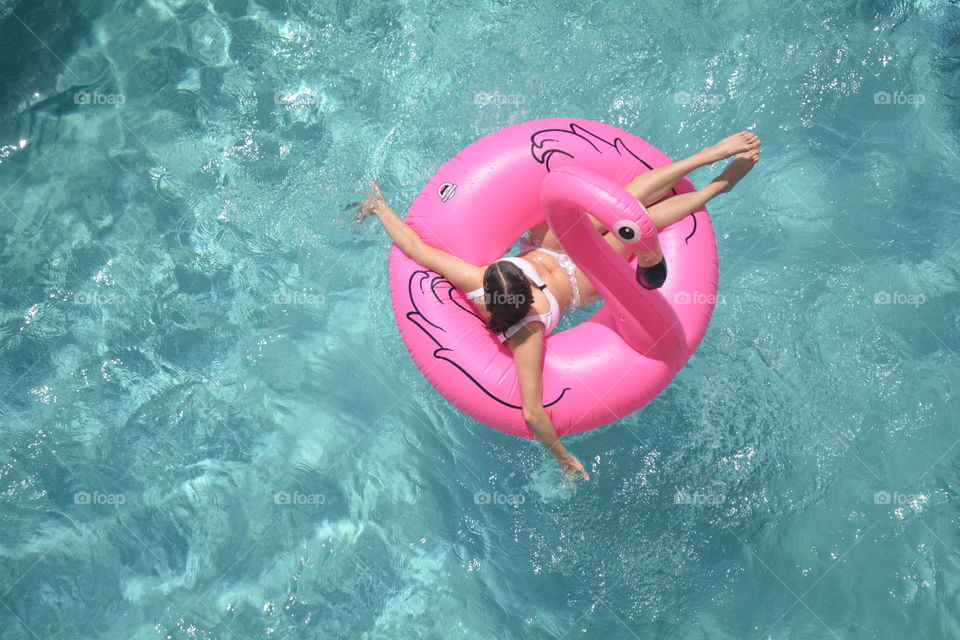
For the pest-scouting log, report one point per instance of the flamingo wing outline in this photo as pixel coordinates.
(428, 288)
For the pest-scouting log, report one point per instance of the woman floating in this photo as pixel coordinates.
(521, 298)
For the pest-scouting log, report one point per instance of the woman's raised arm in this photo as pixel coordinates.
(461, 274)
(375, 204)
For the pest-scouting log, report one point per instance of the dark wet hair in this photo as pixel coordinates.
(507, 295)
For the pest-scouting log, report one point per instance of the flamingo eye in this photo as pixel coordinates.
(627, 231)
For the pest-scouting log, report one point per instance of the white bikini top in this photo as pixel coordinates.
(548, 319)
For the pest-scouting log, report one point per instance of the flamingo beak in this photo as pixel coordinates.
(649, 257)
(652, 277)
(651, 268)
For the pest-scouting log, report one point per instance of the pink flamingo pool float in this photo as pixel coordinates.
(481, 201)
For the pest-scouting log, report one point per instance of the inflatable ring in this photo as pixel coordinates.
(480, 202)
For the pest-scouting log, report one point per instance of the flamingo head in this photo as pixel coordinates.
(651, 267)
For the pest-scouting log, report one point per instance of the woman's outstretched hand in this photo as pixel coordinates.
(372, 203)
(571, 467)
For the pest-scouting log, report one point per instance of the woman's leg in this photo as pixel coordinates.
(677, 207)
(651, 186)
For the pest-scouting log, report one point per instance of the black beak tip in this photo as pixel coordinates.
(652, 277)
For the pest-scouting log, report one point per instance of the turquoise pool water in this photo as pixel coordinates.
(210, 427)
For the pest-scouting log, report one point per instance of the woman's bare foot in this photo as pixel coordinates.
(732, 145)
(734, 171)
